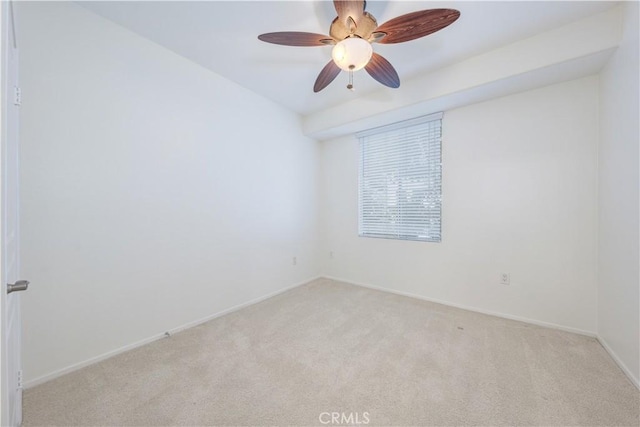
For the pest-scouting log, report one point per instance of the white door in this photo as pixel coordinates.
(10, 299)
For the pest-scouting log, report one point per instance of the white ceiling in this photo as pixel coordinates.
(222, 36)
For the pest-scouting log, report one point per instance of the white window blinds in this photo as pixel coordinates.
(400, 191)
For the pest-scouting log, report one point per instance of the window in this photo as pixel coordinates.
(400, 192)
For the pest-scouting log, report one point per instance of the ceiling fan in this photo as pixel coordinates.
(352, 33)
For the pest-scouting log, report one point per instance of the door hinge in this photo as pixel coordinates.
(17, 96)
(20, 379)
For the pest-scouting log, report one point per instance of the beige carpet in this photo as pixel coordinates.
(330, 347)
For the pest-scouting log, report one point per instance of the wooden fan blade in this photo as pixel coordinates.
(382, 70)
(326, 76)
(416, 24)
(294, 38)
(349, 8)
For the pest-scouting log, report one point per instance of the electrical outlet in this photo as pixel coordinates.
(294, 261)
(505, 278)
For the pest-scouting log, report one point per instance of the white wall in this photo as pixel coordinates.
(618, 275)
(154, 192)
(519, 196)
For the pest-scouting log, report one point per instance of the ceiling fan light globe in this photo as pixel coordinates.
(352, 54)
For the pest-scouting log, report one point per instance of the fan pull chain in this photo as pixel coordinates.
(350, 85)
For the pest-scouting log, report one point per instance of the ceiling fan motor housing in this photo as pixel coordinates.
(364, 25)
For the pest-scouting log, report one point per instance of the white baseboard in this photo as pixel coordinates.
(619, 362)
(469, 308)
(241, 306)
(601, 340)
(66, 370)
(91, 361)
